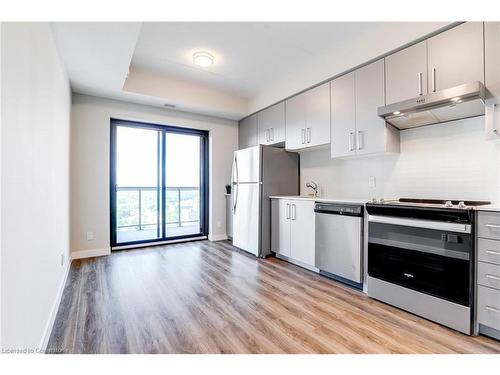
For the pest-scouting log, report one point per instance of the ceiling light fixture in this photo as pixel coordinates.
(396, 113)
(202, 58)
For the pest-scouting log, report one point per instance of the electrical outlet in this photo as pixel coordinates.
(90, 236)
(372, 181)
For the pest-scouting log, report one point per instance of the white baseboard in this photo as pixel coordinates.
(297, 263)
(217, 237)
(90, 253)
(167, 242)
(55, 308)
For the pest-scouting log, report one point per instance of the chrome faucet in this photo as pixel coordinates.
(313, 185)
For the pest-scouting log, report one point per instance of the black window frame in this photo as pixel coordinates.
(204, 180)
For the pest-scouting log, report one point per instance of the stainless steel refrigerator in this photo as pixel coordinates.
(258, 173)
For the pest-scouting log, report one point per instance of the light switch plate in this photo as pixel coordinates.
(90, 236)
(372, 181)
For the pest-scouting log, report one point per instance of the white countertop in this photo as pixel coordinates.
(488, 207)
(319, 199)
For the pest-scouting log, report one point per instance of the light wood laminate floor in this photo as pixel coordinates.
(208, 297)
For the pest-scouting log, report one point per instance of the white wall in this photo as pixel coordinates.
(373, 43)
(90, 138)
(186, 96)
(36, 104)
(449, 160)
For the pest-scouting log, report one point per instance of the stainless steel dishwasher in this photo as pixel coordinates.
(339, 241)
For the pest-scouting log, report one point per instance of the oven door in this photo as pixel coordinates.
(432, 261)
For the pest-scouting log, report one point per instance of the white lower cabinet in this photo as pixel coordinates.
(292, 229)
(488, 273)
(280, 232)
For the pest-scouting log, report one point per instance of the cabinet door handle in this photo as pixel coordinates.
(351, 146)
(308, 135)
(267, 135)
(420, 88)
(492, 277)
(288, 211)
(433, 79)
(359, 137)
(303, 135)
(491, 252)
(494, 309)
(272, 134)
(494, 226)
(294, 212)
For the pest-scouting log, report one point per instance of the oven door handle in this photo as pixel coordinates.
(428, 224)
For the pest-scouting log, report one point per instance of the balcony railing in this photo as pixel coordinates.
(139, 207)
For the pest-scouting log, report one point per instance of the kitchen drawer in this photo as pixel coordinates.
(488, 225)
(488, 251)
(488, 275)
(488, 307)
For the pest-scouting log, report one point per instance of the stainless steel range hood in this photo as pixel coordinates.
(446, 105)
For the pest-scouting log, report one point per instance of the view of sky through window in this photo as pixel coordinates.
(137, 158)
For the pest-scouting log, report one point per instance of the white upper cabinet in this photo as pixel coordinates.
(343, 127)
(370, 128)
(406, 73)
(247, 132)
(456, 56)
(492, 78)
(308, 118)
(318, 115)
(356, 128)
(449, 59)
(271, 123)
(295, 122)
(492, 59)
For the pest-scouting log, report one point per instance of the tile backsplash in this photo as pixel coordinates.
(451, 160)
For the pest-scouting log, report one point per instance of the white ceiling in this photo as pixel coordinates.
(96, 54)
(250, 57)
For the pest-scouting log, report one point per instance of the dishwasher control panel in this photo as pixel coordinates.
(339, 209)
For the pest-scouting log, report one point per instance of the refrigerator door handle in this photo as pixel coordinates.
(235, 183)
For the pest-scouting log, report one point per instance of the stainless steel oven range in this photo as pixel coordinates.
(421, 258)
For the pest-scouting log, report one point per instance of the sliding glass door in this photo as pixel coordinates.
(138, 184)
(158, 183)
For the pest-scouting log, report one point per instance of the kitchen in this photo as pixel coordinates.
(361, 204)
(259, 187)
